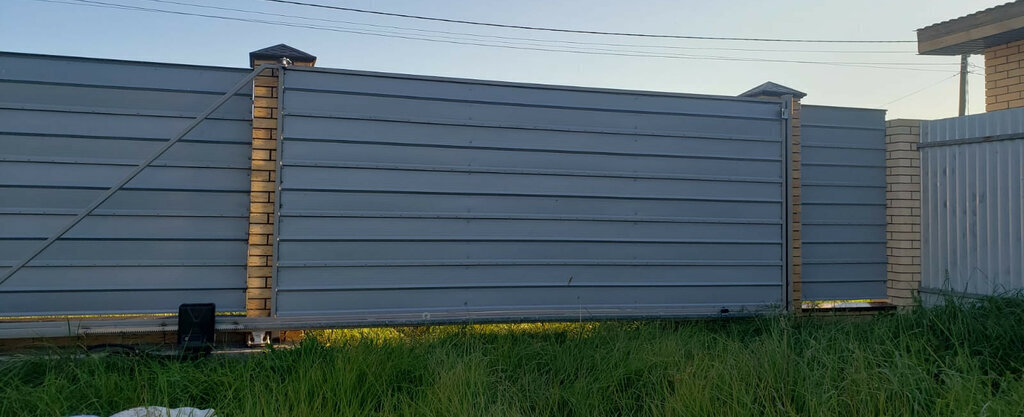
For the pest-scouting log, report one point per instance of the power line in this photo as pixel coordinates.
(607, 52)
(633, 45)
(583, 52)
(587, 32)
(956, 74)
(556, 41)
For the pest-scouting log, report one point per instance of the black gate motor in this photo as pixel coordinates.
(196, 326)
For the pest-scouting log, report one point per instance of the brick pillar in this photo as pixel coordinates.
(262, 194)
(903, 210)
(263, 175)
(777, 91)
(796, 268)
(1004, 76)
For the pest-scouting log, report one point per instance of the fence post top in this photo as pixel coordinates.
(272, 54)
(770, 89)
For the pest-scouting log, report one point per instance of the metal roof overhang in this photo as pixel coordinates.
(974, 33)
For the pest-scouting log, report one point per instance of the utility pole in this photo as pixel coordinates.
(963, 84)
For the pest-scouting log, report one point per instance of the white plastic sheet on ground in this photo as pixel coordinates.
(162, 412)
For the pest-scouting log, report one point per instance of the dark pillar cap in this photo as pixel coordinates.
(273, 53)
(770, 89)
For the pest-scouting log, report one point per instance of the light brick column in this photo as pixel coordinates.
(1004, 76)
(778, 91)
(262, 194)
(796, 268)
(903, 210)
(263, 175)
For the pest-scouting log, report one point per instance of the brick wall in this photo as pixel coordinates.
(903, 210)
(1004, 76)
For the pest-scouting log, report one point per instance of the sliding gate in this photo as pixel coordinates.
(414, 198)
(70, 129)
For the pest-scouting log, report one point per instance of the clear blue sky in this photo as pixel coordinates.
(68, 29)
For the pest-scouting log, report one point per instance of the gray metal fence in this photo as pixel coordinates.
(843, 203)
(407, 196)
(69, 129)
(972, 174)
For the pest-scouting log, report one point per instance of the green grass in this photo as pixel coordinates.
(954, 360)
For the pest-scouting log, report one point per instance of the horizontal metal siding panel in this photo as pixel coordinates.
(125, 202)
(865, 176)
(34, 226)
(843, 233)
(830, 156)
(490, 205)
(849, 251)
(840, 137)
(842, 214)
(842, 203)
(426, 135)
(433, 251)
(516, 302)
(846, 195)
(44, 174)
(140, 75)
(71, 128)
(475, 182)
(131, 301)
(338, 229)
(512, 276)
(122, 289)
(128, 252)
(973, 212)
(425, 110)
(428, 196)
(96, 99)
(846, 117)
(58, 123)
(122, 278)
(528, 95)
(839, 272)
(122, 152)
(301, 152)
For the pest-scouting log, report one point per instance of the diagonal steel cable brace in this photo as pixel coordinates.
(110, 192)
